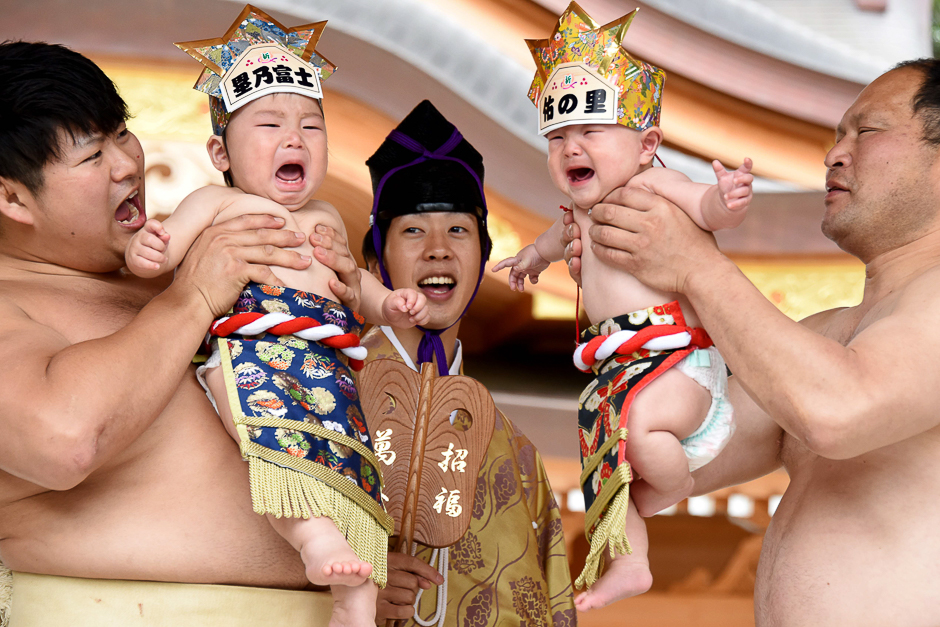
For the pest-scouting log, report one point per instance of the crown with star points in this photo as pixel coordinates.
(257, 56)
(585, 76)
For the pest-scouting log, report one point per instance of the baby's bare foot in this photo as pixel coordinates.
(328, 559)
(354, 606)
(334, 564)
(625, 576)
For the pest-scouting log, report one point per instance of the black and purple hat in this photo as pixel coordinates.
(425, 165)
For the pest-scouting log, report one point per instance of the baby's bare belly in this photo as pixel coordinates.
(315, 278)
(610, 292)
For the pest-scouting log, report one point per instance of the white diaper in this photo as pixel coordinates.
(214, 361)
(707, 368)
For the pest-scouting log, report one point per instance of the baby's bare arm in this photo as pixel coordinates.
(402, 308)
(549, 244)
(373, 295)
(194, 215)
(676, 188)
(378, 304)
(532, 260)
(707, 205)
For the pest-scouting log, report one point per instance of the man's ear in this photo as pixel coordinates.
(16, 202)
(650, 139)
(373, 265)
(217, 153)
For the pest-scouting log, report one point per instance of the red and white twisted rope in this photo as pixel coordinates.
(303, 327)
(653, 338)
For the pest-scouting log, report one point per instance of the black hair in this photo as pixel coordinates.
(227, 175)
(368, 247)
(47, 88)
(926, 102)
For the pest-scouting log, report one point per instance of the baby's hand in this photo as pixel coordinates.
(406, 308)
(146, 252)
(734, 188)
(527, 262)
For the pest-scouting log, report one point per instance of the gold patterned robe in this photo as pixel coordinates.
(510, 568)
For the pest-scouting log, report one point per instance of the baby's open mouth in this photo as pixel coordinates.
(290, 173)
(580, 175)
(129, 210)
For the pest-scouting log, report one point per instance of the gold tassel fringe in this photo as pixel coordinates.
(6, 595)
(611, 530)
(284, 492)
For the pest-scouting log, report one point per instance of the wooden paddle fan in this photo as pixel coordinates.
(430, 466)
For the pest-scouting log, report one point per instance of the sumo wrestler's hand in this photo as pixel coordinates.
(406, 308)
(651, 238)
(330, 249)
(571, 240)
(230, 254)
(406, 575)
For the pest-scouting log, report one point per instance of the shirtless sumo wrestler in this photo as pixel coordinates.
(846, 401)
(113, 464)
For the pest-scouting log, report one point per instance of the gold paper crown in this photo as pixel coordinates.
(254, 29)
(582, 58)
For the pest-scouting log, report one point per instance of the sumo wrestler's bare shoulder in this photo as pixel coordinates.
(12, 313)
(909, 304)
(832, 323)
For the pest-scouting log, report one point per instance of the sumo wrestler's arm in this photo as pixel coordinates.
(839, 400)
(711, 207)
(73, 398)
(754, 449)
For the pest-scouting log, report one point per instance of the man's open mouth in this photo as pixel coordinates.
(290, 173)
(128, 212)
(437, 285)
(833, 185)
(580, 175)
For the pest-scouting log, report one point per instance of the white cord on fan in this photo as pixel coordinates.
(441, 612)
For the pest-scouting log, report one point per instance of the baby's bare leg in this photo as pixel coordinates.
(354, 606)
(216, 382)
(328, 559)
(669, 409)
(330, 562)
(625, 575)
(326, 554)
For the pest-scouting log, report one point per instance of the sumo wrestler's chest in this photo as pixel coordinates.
(82, 309)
